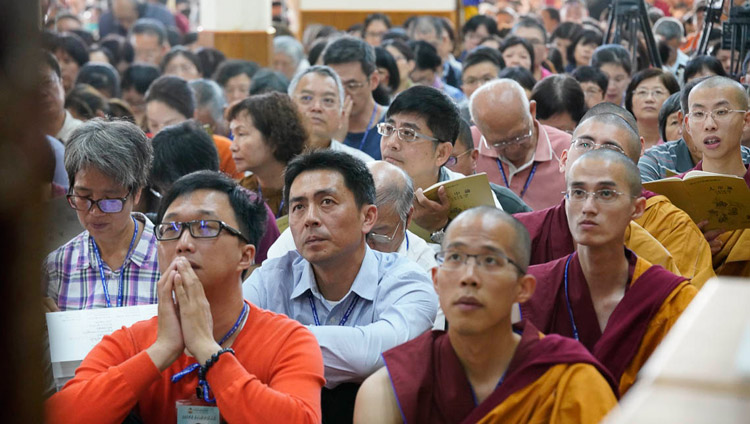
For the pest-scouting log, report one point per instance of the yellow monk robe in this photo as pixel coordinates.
(550, 379)
(677, 232)
(734, 257)
(653, 301)
(551, 238)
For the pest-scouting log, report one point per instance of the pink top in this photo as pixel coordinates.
(545, 187)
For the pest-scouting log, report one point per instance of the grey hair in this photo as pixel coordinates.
(398, 194)
(425, 25)
(209, 94)
(323, 70)
(289, 46)
(118, 149)
(669, 28)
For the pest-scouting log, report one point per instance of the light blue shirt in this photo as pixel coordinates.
(396, 304)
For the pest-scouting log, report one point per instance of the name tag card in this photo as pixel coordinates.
(189, 413)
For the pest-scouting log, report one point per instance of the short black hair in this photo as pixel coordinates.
(266, 81)
(102, 76)
(530, 22)
(357, 177)
(276, 117)
(174, 92)
(179, 150)
(480, 20)
(86, 101)
(666, 78)
(670, 106)
(139, 76)
(697, 64)
(316, 49)
(556, 94)
(401, 46)
(614, 54)
(431, 104)
(250, 213)
(483, 54)
(74, 46)
(520, 75)
(425, 55)
(184, 52)
(210, 58)
(349, 49)
(587, 36)
(122, 50)
(515, 40)
(376, 17)
(150, 26)
(590, 74)
(384, 59)
(464, 135)
(233, 67)
(554, 14)
(566, 30)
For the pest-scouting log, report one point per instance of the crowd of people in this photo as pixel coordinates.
(279, 216)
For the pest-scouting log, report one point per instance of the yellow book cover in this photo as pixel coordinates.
(723, 200)
(464, 193)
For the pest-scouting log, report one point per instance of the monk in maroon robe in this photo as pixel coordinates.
(615, 303)
(480, 370)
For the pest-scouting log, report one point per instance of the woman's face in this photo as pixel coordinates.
(250, 150)
(648, 96)
(472, 38)
(404, 66)
(182, 67)
(562, 45)
(583, 52)
(673, 127)
(517, 56)
(95, 185)
(618, 82)
(237, 88)
(160, 115)
(68, 68)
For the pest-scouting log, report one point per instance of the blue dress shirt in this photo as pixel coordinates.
(396, 304)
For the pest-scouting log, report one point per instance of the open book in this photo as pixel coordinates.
(723, 200)
(464, 193)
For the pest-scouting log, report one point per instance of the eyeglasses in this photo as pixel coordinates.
(716, 114)
(382, 238)
(404, 134)
(509, 142)
(204, 228)
(453, 160)
(106, 205)
(354, 85)
(493, 262)
(585, 145)
(604, 195)
(645, 93)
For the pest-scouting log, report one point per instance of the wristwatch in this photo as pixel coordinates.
(437, 236)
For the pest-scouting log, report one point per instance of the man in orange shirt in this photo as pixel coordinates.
(205, 337)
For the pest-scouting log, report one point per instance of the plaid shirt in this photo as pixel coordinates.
(73, 280)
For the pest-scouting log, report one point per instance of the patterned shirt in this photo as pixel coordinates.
(73, 280)
(672, 156)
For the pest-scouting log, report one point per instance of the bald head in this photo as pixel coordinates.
(624, 135)
(502, 94)
(631, 172)
(393, 188)
(737, 94)
(611, 108)
(520, 244)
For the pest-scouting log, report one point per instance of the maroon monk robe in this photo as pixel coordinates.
(431, 386)
(550, 308)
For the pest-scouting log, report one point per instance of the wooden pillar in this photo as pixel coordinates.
(241, 29)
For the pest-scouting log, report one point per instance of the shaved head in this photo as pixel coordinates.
(738, 94)
(631, 143)
(611, 108)
(632, 173)
(521, 241)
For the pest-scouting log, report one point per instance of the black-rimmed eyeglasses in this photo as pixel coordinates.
(106, 205)
(204, 228)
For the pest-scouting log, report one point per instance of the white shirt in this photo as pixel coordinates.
(69, 125)
(341, 147)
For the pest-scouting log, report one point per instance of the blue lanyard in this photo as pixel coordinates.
(281, 204)
(122, 268)
(192, 367)
(369, 127)
(567, 299)
(407, 241)
(528, 180)
(343, 319)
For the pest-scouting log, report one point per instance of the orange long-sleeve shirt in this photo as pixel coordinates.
(276, 377)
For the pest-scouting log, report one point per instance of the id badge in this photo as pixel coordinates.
(197, 412)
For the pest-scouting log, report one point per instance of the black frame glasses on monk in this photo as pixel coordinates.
(199, 229)
(106, 205)
(490, 262)
(408, 135)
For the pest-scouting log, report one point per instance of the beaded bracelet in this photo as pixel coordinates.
(212, 360)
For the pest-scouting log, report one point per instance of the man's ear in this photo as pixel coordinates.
(374, 80)
(247, 258)
(532, 108)
(409, 216)
(435, 280)
(643, 146)
(370, 214)
(526, 288)
(563, 161)
(474, 157)
(686, 123)
(638, 207)
(443, 152)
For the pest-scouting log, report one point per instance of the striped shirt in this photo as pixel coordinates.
(671, 156)
(73, 280)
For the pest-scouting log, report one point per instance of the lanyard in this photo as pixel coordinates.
(567, 299)
(122, 268)
(407, 241)
(192, 367)
(528, 180)
(281, 204)
(369, 127)
(343, 319)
